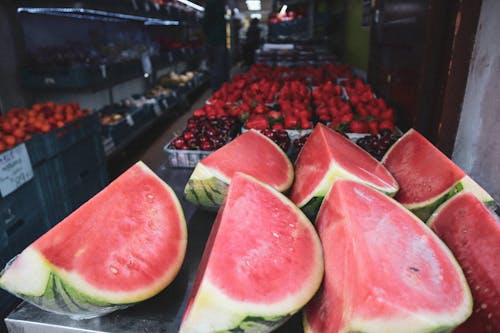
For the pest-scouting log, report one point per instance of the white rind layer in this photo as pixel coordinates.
(336, 172)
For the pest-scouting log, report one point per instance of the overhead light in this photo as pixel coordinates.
(283, 9)
(192, 5)
(92, 14)
(254, 5)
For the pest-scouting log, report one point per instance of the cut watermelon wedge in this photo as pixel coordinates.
(385, 270)
(473, 235)
(262, 263)
(251, 153)
(426, 176)
(124, 245)
(328, 156)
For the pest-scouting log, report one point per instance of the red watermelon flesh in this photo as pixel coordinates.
(421, 170)
(326, 149)
(124, 245)
(253, 154)
(473, 235)
(261, 264)
(385, 271)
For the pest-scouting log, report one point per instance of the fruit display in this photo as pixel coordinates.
(251, 153)
(280, 137)
(202, 133)
(260, 265)
(377, 145)
(472, 233)
(123, 246)
(18, 125)
(113, 113)
(385, 270)
(158, 91)
(426, 176)
(328, 156)
(173, 79)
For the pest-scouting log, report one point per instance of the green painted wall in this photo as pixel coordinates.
(357, 39)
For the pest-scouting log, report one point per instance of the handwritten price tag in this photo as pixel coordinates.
(15, 169)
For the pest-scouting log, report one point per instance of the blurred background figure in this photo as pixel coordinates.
(253, 41)
(214, 26)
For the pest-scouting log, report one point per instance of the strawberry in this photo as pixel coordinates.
(373, 127)
(357, 126)
(387, 125)
(291, 122)
(387, 114)
(257, 122)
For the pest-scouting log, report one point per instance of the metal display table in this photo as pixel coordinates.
(160, 314)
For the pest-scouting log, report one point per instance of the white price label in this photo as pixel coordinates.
(104, 72)
(15, 169)
(157, 108)
(130, 120)
(109, 145)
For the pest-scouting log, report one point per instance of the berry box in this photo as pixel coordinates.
(184, 158)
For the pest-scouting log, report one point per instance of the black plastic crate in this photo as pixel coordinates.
(88, 185)
(56, 177)
(142, 116)
(62, 138)
(25, 229)
(36, 149)
(51, 187)
(19, 205)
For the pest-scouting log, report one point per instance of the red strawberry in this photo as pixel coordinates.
(373, 126)
(357, 126)
(387, 125)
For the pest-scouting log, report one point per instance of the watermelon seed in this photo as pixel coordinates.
(113, 269)
(414, 269)
(291, 225)
(275, 234)
(490, 315)
(484, 306)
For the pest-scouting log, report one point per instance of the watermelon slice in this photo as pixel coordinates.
(262, 263)
(124, 245)
(385, 270)
(328, 156)
(426, 176)
(251, 153)
(473, 235)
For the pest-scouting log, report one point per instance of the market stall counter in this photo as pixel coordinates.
(162, 313)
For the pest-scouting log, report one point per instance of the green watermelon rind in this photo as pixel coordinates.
(425, 209)
(311, 204)
(208, 193)
(58, 296)
(207, 187)
(240, 317)
(245, 317)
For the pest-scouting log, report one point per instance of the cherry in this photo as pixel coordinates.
(206, 145)
(178, 142)
(188, 135)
